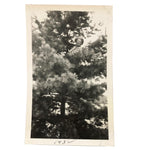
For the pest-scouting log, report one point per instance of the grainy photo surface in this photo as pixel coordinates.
(69, 94)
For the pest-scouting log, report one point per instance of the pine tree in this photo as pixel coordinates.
(66, 73)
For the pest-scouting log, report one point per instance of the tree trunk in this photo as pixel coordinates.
(63, 101)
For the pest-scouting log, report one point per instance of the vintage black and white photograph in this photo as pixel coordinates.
(69, 75)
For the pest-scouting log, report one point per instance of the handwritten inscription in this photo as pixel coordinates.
(63, 142)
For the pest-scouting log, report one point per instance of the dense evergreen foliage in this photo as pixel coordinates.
(68, 79)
